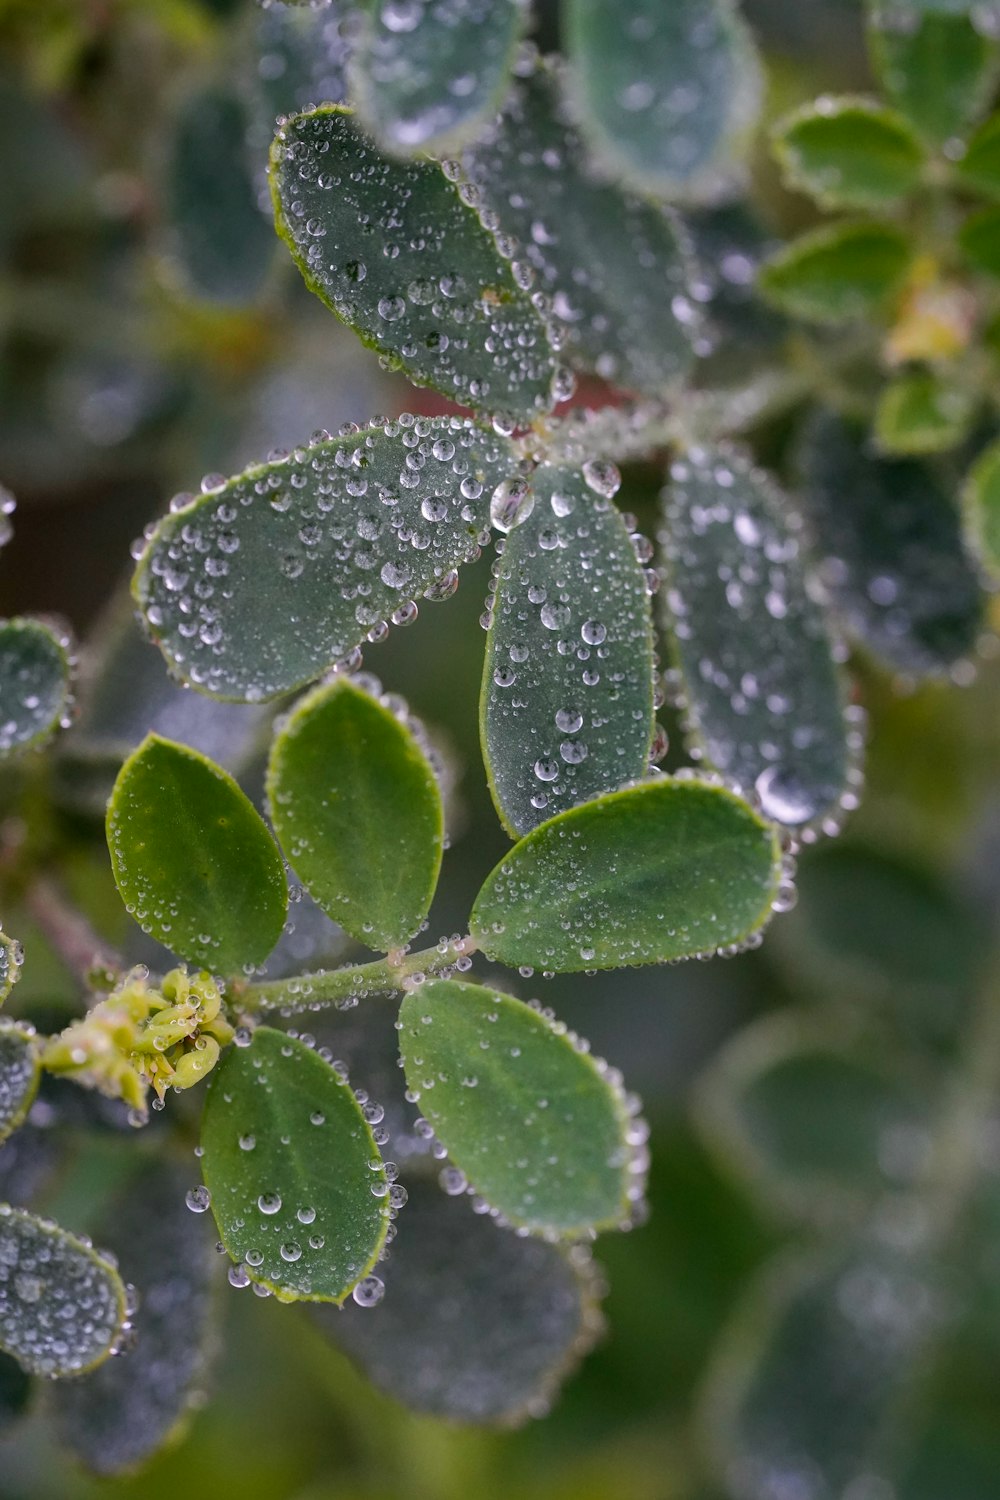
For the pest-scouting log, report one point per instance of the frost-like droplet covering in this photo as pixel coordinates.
(34, 683)
(257, 587)
(62, 1305)
(394, 250)
(18, 1074)
(11, 957)
(763, 696)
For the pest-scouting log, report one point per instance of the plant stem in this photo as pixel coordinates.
(84, 953)
(387, 976)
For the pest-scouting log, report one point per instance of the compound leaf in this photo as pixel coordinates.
(358, 810)
(11, 958)
(19, 1074)
(567, 700)
(62, 1304)
(937, 68)
(762, 692)
(667, 869)
(288, 1163)
(446, 308)
(922, 413)
(849, 153)
(532, 1120)
(34, 683)
(329, 542)
(668, 94)
(982, 508)
(192, 858)
(837, 273)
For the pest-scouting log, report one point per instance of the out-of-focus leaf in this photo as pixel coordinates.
(358, 810)
(890, 538)
(478, 1324)
(192, 858)
(62, 1305)
(446, 308)
(667, 869)
(329, 542)
(615, 265)
(19, 1071)
(532, 1120)
(287, 1163)
(762, 692)
(11, 958)
(34, 683)
(979, 167)
(566, 711)
(300, 54)
(668, 94)
(742, 330)
(838, 273)
(28, 1161)
(922, 413)
(848, 153)
(938, 69)
(982, 508)
(978, 241)
(428, 83)
(15, 1392)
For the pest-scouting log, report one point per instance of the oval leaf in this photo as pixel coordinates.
(19, 1074)
(763, 695)
(849, 153)
(668, 869)
(478, 1324)
(837, 273)
(982, 509)
(615, 265)
(446, 308)
(11, 958)
(891, 541)
(427, 85)
(668, 94)
(34, 683)
(979, 168)
(192, 859)
(940, 70)
(116, 1418)
(358, 810)
(62, 1305)
(567, 701)
(532, 1120)
(286, 1161)
(920, 413)
(977, 240)
(288, 566)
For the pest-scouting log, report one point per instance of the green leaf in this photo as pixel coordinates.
(358, 810)
(763, 696)
(848, 153)
(428, 84)
(923, 413)
(742, 330)
(979, 168)
(616, 266)
(11, 958)
(813, 1119)
(290, 565)
(532, 1120)
(982, 508)
(668, 94)
(34, 683)
(891, 541)
(62, 1305)
(446, 308)
(667, 869)
(287, 1161)
(938, 69)
(192, 859)
(15, 1393)
(118, 1417)
(977, 240)
(837, 273)
(19, 1074)
(479, 1324)
(567, 701)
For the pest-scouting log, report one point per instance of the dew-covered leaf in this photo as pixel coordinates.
(890, 538)
(978, 241)
(192, 858)
(62, 1304)
(11, 957)
(358, 810)
(979, 167)
(938, 69)
(34, 683)
(427, 84)
(668, 94)
(287, 567)
(446, 308)
(19, 1073)
(299, 54)
(982, 510)
(813, 1119)
(220, 245)
(837, 273)
(849, 153)
(761, 688)
(478, 1324)
(15, 1393)
(667, 869)
(537, 1125)
(923, 413)
(615, 265)
(287, 1162)
(742, 330)
(567, 699)
(120, 1415)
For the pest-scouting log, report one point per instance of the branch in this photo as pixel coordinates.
(388, 976)
(81, 949)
